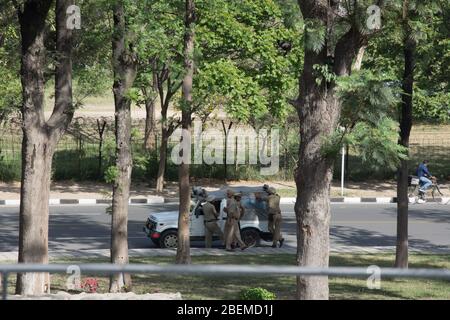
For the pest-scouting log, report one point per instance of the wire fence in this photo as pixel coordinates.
(83, 154)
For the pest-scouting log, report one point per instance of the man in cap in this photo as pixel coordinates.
(274, 215)
(232, 225)
(225, 204)
(211, 226)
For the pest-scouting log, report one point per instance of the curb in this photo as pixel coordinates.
(11, 256)
(355, 200)
(52, 202)
(162, 200)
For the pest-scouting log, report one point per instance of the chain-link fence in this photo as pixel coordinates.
(87, 150)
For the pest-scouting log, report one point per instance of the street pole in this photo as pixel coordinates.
(342, 170)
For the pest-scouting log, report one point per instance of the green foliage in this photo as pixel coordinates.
(248, 42)
(315, 32)
(378, 144)
(323, 73)
(10, 169)
(10, 87)
(366, 96)
(10, 90)
(256, 294)
(111, 174)
(228, 86)
(427, 24)
(367, 125)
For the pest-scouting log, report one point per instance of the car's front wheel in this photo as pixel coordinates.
(169, 239)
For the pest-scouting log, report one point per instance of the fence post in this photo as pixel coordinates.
(4, 285)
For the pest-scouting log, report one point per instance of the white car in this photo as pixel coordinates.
(162, 227)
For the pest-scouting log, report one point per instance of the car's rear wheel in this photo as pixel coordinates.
(169, 239)
(251, 237)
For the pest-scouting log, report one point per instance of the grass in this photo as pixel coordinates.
(197, 287)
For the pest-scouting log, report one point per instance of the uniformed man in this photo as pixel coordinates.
(224, 204)
(211, 226)
(274, 215)
(232, 227)
(238, 198)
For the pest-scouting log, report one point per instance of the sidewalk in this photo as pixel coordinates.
(90, 193)
(11, 257)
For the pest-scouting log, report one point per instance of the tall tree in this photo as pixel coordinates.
(40, 137)
(125, 69)
(406, 121)
(413, 30)
(168, 124)
(333, 38)
(160, 54)
(183, 249)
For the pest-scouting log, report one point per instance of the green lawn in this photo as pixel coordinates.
(197, 287)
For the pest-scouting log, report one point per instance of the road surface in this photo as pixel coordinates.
(88, 227)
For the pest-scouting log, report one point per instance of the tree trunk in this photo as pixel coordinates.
(183, 250)
(226, 131)
(401, 253)
(318, 117)
(40, 137)
(124, 64)
(162, 158)
(101, 131)
(37, 155)
(149, 138)
(319, 111)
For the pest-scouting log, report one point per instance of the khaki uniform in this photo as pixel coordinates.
(273, 206)
(211, 226)
(232, 226)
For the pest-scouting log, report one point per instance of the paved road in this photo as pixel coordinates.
(87, 227)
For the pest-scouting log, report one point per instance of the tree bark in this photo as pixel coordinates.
(167, 128)
(401, 253)
(162, 158)
(149, 137)
(183, 249)
(318, 116)
(125, 68)
(226, 131)
(319, 111)
(40, 137)
(101, 131)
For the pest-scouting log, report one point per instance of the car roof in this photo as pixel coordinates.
(245, 190)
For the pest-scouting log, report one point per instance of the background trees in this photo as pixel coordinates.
(402, 54)
(248, 58)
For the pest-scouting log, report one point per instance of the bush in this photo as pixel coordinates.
(256, 294)
(10, 169)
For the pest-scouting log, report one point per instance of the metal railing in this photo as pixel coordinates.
(220, 270)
